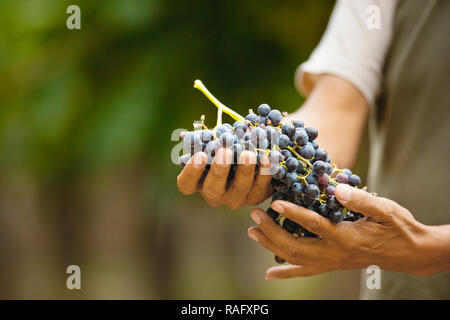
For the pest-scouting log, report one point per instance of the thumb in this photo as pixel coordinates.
(363, 202)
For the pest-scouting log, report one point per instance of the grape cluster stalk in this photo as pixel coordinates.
(302, 172)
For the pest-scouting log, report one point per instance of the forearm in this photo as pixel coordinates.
(339, 111)
(436, 248)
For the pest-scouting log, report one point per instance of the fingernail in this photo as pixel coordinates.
(255, 216)
(344, 192)
(253, 236)
(277, 207)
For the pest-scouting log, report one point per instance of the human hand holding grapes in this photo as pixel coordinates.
(245, 189)
(388, 236)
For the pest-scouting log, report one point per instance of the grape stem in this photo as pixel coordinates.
(220, 106)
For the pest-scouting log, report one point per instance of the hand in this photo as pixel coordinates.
(245, 188)
(388, 236)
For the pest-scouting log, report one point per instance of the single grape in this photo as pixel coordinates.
(286, 153)
(312, 191)
(275, 157)
(300, 137)
(278, 172)
(354, 180)
(289, 178)
(329, 191)
(182, 161)
(332, 203)
(323, 178)
(312, 179)
(329, 169)
(320, 167)
(323, 211)
(275, 117)
(206, 136)
(288, 129)
(284, 141)
(272, 135)
(298, 124)
(307, 152)
(291, 164)
(297, 189)
(309, 202)
(192, 142)
(252, 118)
(320, 154)
(315, 144)
(261, 120)
(227, 139)
(211, 149)
(336, 216)
(264, 110)
(347, 172)
(312, 133)
(222, 129)
(342, 178)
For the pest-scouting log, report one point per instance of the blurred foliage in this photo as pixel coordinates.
(82, 109)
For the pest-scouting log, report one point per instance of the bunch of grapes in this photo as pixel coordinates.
(302, 172)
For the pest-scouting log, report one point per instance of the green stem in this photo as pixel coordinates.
(221, 107)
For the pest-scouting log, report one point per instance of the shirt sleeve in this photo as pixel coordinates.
(354, 45)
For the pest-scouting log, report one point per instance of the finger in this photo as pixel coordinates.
(236, 195)
(262, 187)
(305, 247)
(189, 177)
(361, 201)
(308, 219)
(214, 185)
(257, 235)
(285, 272)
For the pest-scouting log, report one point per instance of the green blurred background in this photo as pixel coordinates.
(85, 124)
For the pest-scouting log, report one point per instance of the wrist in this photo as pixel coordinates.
(434, 247)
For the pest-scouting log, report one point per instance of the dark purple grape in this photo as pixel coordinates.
(332, 203)
(315, 144)
(284, 141)
(192, 142)
(298, 124)
(252, 118)
(307, 152)
(297, 189)
(348, 172)
(320, 167)
(278, 172)
(320, 154)
(312, 191)
(286, 153)
(291, 164)
(275, 157)
(264, 110)
(289, 178)
(336, 216)
(288, 129)
(323, 211)
(275, 117)
(342, 178)
(261, 120)
(206, 136)
(312, 179)
(312, 133)
(329, 169)
(183, 160)
(329, 191)
(354, 180)
(226, 139)
(272, 135)
(300, 137)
